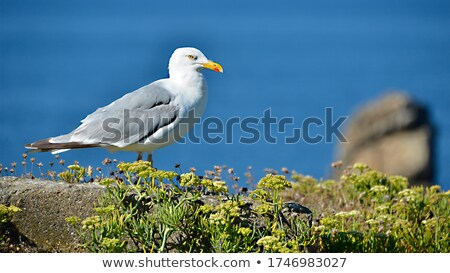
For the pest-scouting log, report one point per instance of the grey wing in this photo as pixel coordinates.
(128, 120)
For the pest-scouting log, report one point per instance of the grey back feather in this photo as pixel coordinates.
(128, 120)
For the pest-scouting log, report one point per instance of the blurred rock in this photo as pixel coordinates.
(392, 134)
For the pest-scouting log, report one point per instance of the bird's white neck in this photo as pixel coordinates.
(193, 87)
(189, 79)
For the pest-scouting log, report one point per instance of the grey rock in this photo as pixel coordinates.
(392, 134)
(41, 224)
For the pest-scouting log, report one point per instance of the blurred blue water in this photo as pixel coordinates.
(60, 60)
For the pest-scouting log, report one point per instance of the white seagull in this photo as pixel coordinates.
(148, 118)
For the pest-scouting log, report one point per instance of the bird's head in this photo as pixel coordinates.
(191, 59)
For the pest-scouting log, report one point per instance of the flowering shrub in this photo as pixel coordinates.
(149, 210)
(368, 211)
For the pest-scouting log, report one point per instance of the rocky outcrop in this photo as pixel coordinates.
(392, 134)
(41, 225)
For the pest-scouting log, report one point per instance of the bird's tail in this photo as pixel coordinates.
(45, 145)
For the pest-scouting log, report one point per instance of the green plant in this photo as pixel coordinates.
(6, 214)
(149, 210)
(377, 213)
(74, 174)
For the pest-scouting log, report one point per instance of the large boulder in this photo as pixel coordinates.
(41, 225)
(392, 134)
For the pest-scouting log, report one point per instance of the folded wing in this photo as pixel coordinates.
(132, 119)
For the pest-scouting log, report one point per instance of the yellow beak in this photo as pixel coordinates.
(213, 66)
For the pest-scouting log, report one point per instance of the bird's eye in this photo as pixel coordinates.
(192, 57)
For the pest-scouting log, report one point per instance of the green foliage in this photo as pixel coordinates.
(268, 192)
(149, 210)
(74, 174)
(7, 212)
(368, 211)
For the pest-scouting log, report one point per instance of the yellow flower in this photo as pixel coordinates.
(218, 218)
(244, 231)
(264, 208)
(66, 176)
(136, 167)
(329, 222)
(107, 181)
(383, 207)
(205, 209)
(91, 222)
(360, 166)
(267, 240)
(6, 212)
(354, 213)
(274, 182)
(160, 175)
(73, 220)
(111, 243)
(74, 167)
(190, 179)
(379, 188)
(219, 187)
(347, 214)
(272, 244)
(231, 208)
(260, 194)
(409, 194)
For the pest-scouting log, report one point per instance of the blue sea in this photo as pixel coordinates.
(61, 60)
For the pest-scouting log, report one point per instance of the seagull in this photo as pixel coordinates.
(149, 118)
